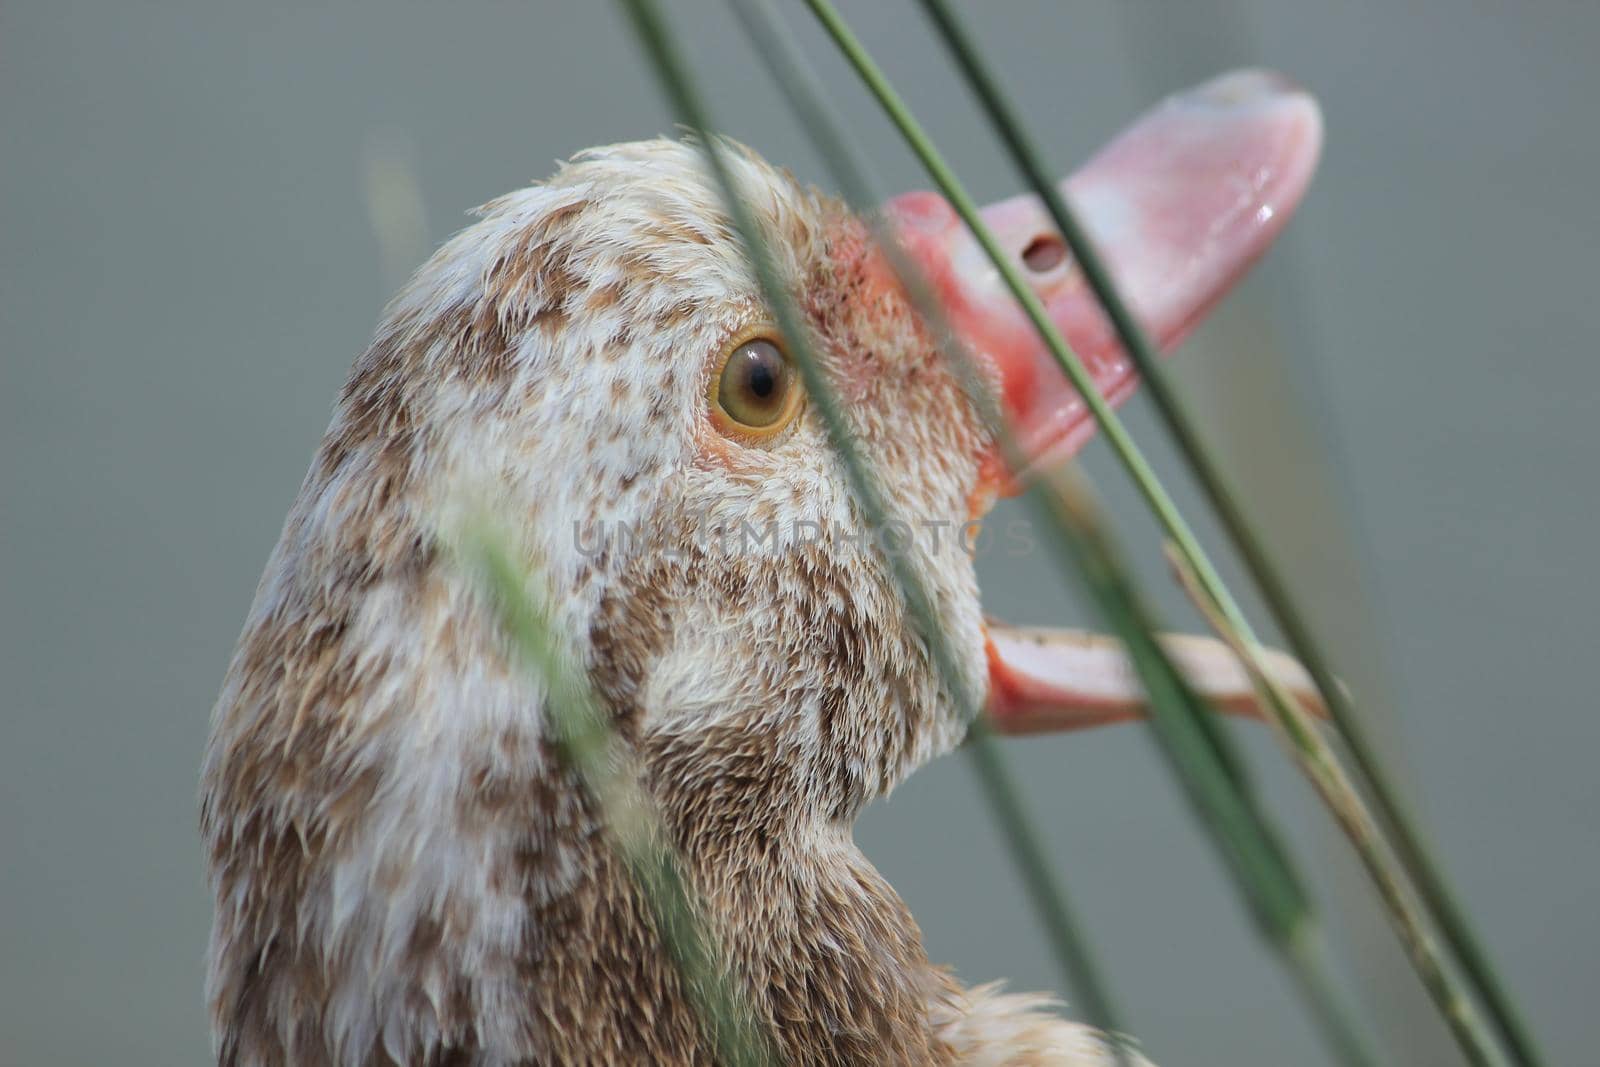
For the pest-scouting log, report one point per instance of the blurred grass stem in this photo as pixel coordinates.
(1308, 746)
(633, 824)
(1044, 889)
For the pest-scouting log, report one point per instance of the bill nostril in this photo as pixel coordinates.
(1044, 253)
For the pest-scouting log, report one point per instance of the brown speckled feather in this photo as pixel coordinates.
(402, 871)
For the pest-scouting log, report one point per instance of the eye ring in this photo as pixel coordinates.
(756, 391)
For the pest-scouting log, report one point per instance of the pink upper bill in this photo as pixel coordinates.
(1179, 206)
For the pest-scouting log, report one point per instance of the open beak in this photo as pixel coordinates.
(1179, 206)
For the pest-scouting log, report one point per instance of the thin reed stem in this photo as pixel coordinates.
(1356, 821)
(1304, 742)
(1197, 750)
(1283, 913)
(1408, 842)
(1044, 888)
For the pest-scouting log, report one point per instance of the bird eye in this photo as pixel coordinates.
(758, 391)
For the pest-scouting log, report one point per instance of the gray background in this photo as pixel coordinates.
(190, 265)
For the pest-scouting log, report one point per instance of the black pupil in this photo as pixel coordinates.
(763, 380)
(762, 375)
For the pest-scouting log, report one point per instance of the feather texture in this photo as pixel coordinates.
(403, 872)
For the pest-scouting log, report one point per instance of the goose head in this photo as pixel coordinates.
(404, 870)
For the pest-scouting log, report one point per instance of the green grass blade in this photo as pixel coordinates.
(633, 825)
(1281, 908)
(1044, 888)
(1304, 743)
(1357, 823)
(1427, 875)
(1241, 830)
(805, 94)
